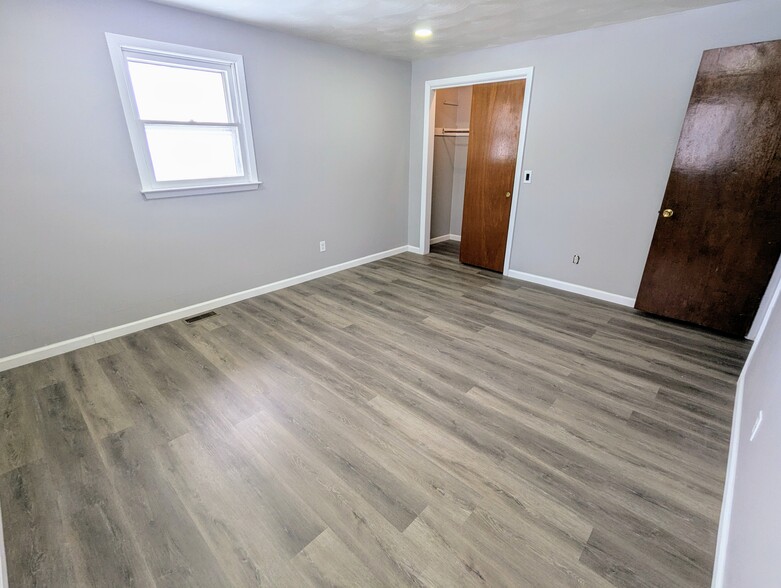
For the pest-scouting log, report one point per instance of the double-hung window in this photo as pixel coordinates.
(187, 113)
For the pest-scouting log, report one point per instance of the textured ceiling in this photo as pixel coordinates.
(386, 26)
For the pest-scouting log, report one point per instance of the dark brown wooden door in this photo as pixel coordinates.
(710, 262)
(494, 128)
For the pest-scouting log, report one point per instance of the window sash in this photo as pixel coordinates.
(236, 140)
(224, 69)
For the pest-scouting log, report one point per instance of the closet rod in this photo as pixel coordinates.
(445, 132)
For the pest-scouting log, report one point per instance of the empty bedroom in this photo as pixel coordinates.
(337, 293)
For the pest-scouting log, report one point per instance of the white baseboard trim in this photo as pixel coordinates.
(575, 288)
(442, 238)
(19, 359)
(413, 249)
(720, 563)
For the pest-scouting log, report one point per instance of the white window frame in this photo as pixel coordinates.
(122, 49)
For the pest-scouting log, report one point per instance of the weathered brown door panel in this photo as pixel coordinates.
(710, 262)
(494, 128)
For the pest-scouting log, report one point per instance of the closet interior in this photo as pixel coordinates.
(451, 144)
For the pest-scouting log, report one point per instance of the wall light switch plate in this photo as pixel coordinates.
(527, 176)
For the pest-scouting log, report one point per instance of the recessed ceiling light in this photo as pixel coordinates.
(422, 33)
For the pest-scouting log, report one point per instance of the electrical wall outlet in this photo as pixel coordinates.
(322, 246)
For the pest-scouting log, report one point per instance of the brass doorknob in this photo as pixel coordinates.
(667, 212)
(508, 194)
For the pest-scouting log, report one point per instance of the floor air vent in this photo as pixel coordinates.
(199, 317)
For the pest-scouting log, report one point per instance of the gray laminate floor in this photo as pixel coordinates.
(409, 422)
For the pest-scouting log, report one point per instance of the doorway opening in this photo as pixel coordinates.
(448, 127)
(448, 177)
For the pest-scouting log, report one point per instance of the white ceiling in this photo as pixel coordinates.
(386, 26)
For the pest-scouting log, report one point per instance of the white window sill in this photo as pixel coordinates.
(199, 190)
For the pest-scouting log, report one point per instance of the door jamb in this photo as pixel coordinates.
(525, 73)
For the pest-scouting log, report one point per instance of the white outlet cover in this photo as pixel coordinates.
(527, 176)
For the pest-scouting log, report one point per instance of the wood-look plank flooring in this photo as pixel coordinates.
(412, 422)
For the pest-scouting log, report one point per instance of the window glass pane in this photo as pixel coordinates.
(193, 153)
(178, 94)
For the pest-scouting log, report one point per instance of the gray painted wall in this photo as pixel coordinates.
(606, 112)
(81, 250)
(754, 542)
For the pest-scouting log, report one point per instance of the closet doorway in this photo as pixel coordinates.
(472, 154)
(451, 143)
